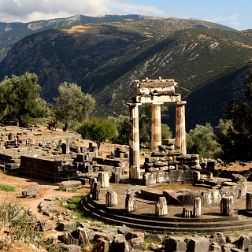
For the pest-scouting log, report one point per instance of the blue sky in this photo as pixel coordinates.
(233, 13)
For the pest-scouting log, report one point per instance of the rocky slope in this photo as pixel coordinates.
(10, 33)
(105, 59)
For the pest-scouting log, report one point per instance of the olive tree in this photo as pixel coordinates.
(98, 130)
(72, 105)
(202, 140)
(20, 99)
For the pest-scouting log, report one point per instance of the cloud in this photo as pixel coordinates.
(232, 20)
(27, 10)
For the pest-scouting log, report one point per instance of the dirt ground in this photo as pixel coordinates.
(45, 189)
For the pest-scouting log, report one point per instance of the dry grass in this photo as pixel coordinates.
(78, 29)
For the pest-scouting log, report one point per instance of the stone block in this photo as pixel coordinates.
(120, 244)
(196, 244)
(160, 176)
(197, 210)
(102, 245)
(103, 178)
(227, 206)
(137, 244)
(150, 178)
(215, 196)
(187, 213)
(111, 198)
(81, 235)
(134, 234)
(123, 230)
(70, 185)
(161, 207)
(66, 226)
(45, 207)
(68, 239)
(96, 190)
(45, 225)
(215, 247)
(30, 193)
(243, 242)
(130, 203)
(174, 244)
(116, 176)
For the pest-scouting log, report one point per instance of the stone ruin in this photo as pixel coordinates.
(156, 93)
(208, 208)
(144, 206)
(54, 158)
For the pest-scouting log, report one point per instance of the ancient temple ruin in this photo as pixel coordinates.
(155, 92)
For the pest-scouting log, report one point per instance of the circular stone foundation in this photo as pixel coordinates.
(179, 196)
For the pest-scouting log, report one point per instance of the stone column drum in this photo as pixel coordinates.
(197, 210)
(111, 198)
(156, 137)
(161, 207)
(227, 206)
(130, 203)
(180, 142)
(96, 191)
(249, 201)
(103, 178)
(134, 150)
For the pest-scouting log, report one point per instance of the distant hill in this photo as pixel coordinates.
(10, 33)
(105, 59)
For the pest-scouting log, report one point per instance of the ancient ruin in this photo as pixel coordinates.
(156, 93)
(176, 191)
(167, 190)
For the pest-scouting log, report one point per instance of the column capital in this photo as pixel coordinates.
(133, 104)
(181, 103)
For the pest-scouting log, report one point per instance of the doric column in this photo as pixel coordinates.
(156, 137)
(134, 150)
(180, 143)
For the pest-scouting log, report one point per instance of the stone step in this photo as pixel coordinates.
(163, 218)
(160, 225)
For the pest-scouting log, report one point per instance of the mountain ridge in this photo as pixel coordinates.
(105, 58)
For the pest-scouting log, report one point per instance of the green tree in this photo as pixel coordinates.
(19, 99)
(202, 140)
(72, 105)
(226, 133)
(166, 131)
(145, 124)
(98, 130)
(123, 127)
(235, 133)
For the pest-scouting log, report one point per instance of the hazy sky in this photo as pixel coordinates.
(233, 13)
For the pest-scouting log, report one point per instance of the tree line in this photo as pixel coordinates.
(20, 101)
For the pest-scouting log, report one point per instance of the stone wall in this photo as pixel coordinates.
(237, 188)
(171, 176)
(49, 170)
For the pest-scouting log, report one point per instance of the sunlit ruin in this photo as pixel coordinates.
(144, 194)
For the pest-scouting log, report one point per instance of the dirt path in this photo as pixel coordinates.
(46, 190)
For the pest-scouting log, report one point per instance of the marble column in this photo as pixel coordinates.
(134, 149)
(180, 142)
(156, 137)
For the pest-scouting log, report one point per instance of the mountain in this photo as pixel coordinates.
(10, 33)
(106, 58)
